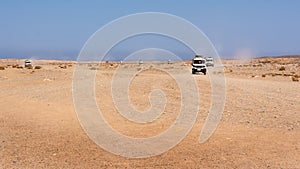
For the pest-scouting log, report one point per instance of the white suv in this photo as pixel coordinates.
(27, 63)
(210, 61)
(198, 65)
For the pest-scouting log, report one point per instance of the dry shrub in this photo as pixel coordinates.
(2, 68)
(263, 75)
(282, 68)
(296, 76)
(264, 61)
(113, 65)
(63, 66)
(19, 67)
(93, 68)
(38, 67)
(295, 79)
(29, 67)
(15, 66)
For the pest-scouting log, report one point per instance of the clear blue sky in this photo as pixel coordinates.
(58, 29)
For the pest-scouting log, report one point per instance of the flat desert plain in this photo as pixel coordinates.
(259, 128)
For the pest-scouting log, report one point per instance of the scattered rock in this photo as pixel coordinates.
(287, 74)
(282, 68)
(46, 79)
(278, 74)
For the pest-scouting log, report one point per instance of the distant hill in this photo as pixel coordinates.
(282, 56)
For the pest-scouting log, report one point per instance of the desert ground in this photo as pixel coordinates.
(260, 125)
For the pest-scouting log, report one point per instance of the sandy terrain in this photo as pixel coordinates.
(260, 126)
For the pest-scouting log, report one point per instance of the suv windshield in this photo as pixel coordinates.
(198, 61)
